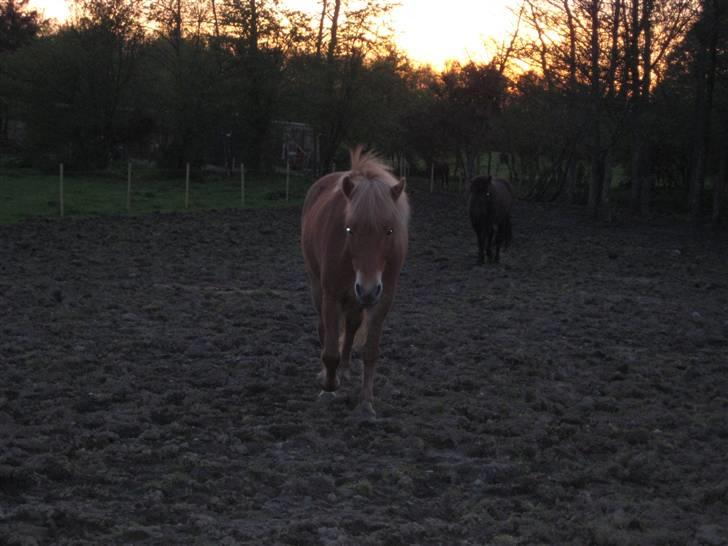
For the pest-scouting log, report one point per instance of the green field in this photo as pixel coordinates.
(27, 194)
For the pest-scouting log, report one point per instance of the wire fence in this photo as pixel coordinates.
(137, 189)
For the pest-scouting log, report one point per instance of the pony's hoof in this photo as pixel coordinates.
(326, 396)
(364, 412)
(326, 384)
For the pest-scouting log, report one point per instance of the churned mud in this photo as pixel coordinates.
(159, 386)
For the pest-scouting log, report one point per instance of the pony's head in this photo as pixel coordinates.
(377, 214)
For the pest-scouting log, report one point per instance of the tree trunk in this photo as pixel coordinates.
(320, 35)
(604, 208)
(719, 192)
(633, 63)
(253, 44)
(333, 104)
(572, 46)
(570, 177)
(597, 162)
(331, 53)
(705, 74)
(468, 164)
(644, 104)
(214, 19)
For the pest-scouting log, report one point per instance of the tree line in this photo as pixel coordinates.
(585, 96)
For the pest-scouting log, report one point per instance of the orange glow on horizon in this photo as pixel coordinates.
(51, 9)
(468, 30)
(427, 33)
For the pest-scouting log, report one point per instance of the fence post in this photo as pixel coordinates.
(242, 184)
(128, 187)
(432, 177)
(187, 186)
(60, 188)
(288, 178)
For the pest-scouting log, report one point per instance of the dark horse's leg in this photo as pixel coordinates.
(498, 240)
(489, 231)
(480, 234)
(330, 351)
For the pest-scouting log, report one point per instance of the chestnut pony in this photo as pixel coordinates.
(354, 233)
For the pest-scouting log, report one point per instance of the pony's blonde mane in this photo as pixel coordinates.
(372, 200)
(369, 165)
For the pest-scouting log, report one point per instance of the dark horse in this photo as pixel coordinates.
(490, 205)
(354, 233)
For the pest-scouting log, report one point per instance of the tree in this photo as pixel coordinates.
(76, 84)
(356, 36)
(468, 99)
(709, 31)
(603, 58)
(18, 27)
(18, 24)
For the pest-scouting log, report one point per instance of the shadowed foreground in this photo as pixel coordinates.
(158, 386)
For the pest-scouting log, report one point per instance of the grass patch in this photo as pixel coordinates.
(26, 194)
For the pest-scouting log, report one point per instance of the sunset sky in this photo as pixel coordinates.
(427, 31)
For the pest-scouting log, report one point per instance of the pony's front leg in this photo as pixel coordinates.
(353, 322)
(330, 350)
(370, 356)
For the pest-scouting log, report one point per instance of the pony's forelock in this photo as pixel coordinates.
(371, 201)
(370, 165)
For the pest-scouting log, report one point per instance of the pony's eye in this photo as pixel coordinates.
(348, 230)
(390, 231)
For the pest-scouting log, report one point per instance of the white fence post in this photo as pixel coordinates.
(242, 184)
(187, 186)
(128, 187)
(60, 189)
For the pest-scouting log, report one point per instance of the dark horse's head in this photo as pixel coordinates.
(480, 186)
(481, 199)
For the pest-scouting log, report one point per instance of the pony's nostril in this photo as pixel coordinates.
(357, 290)
(378, 291)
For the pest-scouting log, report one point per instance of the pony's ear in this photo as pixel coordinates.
(398, 189)
(348, 186)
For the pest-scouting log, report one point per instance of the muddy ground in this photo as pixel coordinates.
(158, 386)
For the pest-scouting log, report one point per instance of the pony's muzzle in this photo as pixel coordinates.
(368, 297)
